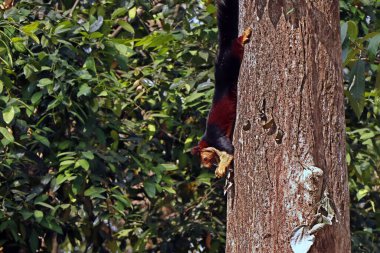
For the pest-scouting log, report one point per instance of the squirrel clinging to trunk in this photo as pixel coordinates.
(215, 147)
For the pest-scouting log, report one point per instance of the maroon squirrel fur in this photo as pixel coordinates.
(221, 118)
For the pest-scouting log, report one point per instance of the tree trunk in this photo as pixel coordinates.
(289, 136)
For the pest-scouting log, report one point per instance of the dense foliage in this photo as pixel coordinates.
(360, 32)
(94, 142)
(100, 103)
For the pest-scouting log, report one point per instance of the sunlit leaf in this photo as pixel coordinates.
(126, 26)
(352, 29)
(83, 163)
(132, 13)
(6, 134)
(88, 154)
(38, 215)
(84, 90)
(119, 12)
(8, 114)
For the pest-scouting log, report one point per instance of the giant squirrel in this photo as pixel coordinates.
(215, 146)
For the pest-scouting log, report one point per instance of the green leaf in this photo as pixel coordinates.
(67, 162)
(19, 46)
(52, 225)
(357, 87)
(211, 9)
(84, 90)
(44, 42)
(77, 186)
(42, 139)
(96, 35)
(8, 114)
(352, 30)
(88, 154)
(123, 199)
(373, 46)
(94, 191)
(44, 82)
(118, 12)
(124, 233)
(82, 163)
(38, 215)
(169, 189)
(361, 194)
(204, 178)
(44, 205)
(132, 13)
(104, 93)
(7, 135)
(204, 55)
(29, 70)
(160, 39)
(90, 64)
(26, 214)
(30, 29)
(126, 26)
(168, 166)
(53, 104)
(123, 49)
(194, 96)
(150, 189)
(151, 128)
(367, 135)
(36, 97)
(60, 179)
(357, 80)
(63, 27)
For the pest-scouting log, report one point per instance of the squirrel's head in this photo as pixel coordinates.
(208, 157)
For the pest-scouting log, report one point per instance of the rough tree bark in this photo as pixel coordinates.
(289, 136)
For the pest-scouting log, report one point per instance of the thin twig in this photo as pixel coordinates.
(116, 32)
(118, 29)
(73, 8)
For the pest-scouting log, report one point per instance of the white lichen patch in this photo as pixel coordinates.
(311, 178)
(301, 241)
(303, 236)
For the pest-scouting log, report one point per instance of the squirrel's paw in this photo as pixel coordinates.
(225, 160)
(246, 35)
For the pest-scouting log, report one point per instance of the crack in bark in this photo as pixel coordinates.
(303, 82)
(267, 168)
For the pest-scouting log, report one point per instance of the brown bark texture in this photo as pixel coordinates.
(290, 130)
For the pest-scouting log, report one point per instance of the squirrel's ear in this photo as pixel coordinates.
(195, 150)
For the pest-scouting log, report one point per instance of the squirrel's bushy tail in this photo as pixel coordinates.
(228, 21)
